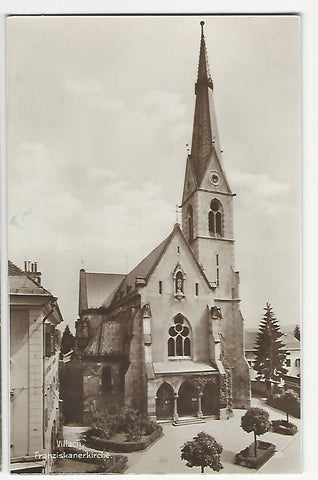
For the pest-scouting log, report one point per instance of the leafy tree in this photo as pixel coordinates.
(288, 401)
(297, 332)
(68, 341)
(270, 354)
(255, 420)
(203, 451)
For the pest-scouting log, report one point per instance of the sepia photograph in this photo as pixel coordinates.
(154, 243)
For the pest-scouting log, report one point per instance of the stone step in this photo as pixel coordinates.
(187, 421)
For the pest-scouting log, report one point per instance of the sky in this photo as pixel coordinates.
(100, 110)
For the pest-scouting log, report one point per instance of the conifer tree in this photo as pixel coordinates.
(270, 355)
(68, 341)
(297, 332)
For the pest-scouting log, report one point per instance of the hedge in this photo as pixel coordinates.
(125, 447)
(246, 458)
(275, 401)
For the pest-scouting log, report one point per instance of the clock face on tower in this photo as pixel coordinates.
(214, 178)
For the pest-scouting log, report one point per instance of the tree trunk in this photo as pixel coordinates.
(255, 445)
(202, 469)
(268, 386)
(287, 417)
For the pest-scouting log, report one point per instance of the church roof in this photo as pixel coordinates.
(21, 283)
(97, 289)
(144, 269)
(290, 342)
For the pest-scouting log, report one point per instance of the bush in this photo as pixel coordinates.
(284, 427)
(99, 443)
(133, 433)
(104, 424)
(127, 420)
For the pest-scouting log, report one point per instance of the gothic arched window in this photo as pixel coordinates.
(190, 223)
(215, 218)
(179, 344)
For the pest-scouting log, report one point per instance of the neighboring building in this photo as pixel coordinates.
(292, 349)
(34, 352)
(167, 338)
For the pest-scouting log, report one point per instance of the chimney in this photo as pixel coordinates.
(31, 268)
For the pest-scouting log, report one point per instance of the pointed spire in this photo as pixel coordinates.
(205, 134)
(203, 68)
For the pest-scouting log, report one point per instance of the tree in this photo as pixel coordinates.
(203, 451)
(289, 400)
(270, 354)
(68, 341)
(255, 420)
(297, 332)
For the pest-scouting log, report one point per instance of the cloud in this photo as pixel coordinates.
(21, 221)
(80, 86)
(165, 104)
(262, 193)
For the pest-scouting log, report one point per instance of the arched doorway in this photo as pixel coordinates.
(187, 400)
(106, 381)
(210, 399)
(164, 401)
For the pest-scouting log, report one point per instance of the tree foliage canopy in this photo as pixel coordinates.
(68, 340)
(288, 401)
(270, 354)
(203, 451)
(255, 420)
(297, 332)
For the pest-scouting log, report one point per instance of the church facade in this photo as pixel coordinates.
(167, 338)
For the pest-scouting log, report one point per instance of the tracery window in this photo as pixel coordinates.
(215, 218)
(179, 344)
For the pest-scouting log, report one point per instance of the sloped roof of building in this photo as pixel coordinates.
(288, 340)
(97, 289)
(105, 289)
(180, 366)
(145, 268)
(21, 283)
(101, 288)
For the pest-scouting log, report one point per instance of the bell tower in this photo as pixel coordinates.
(207, 211)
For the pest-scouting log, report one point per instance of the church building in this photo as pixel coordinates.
(167, 338)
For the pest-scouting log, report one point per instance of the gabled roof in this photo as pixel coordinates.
(290, 342)
(146, 267)
(97, 289)
(21, 283)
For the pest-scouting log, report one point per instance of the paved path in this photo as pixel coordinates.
(164, 455)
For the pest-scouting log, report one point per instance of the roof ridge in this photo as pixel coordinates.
(21, 273)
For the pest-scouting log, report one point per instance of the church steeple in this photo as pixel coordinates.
(204, 75)
(205, 138)
(207, 213)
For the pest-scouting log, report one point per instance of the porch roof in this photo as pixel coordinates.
(181, 366)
